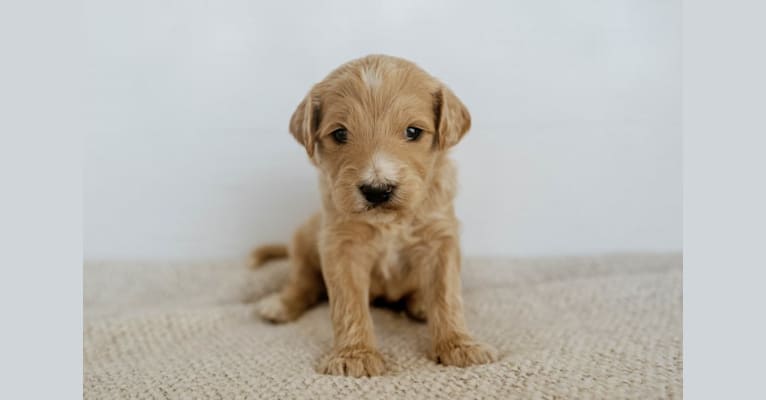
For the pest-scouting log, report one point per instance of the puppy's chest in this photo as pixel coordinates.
(392, 262)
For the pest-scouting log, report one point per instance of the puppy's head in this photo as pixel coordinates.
(375, 127)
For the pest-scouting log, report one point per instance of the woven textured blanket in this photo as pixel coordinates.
(606, 327)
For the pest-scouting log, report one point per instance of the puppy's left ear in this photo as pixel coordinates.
(452, 118)
(304, 122)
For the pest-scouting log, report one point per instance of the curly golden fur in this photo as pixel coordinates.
(404, 248)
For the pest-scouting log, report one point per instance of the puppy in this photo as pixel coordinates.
(378, 129)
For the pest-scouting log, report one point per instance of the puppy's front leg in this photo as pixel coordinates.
(346, 266)
(452, 344)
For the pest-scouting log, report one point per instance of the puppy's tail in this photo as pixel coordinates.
(265, 253)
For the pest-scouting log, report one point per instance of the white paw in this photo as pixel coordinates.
(272, 308)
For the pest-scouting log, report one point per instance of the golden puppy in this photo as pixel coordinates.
(378, 129)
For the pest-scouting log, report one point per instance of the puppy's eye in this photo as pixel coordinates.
(340, 136)
(412, 134)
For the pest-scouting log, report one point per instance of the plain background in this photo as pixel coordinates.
(575, 145)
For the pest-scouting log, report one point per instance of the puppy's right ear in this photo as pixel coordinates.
(305, 121)
(452, 118)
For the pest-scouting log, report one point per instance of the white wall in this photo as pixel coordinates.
(575, 146)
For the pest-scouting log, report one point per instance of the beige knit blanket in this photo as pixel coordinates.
(605, 327)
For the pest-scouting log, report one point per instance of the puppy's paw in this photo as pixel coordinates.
(353, 361)
(273, 309)
(463, 353)
(416, 308)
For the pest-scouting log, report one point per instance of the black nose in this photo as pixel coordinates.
(377, 194)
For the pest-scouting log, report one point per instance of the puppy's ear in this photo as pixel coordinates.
(452, 118)
(305, 121)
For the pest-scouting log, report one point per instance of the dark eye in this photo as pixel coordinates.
(412, 134)
(340, 136)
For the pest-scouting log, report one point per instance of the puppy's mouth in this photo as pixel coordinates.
(390, 206)
(385, 207)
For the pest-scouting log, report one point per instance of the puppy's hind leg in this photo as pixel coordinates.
(415, 306)
(304, 288)
(305, 285)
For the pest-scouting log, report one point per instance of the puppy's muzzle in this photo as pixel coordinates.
(377, 194)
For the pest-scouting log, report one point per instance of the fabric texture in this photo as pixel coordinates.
(602, 327)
